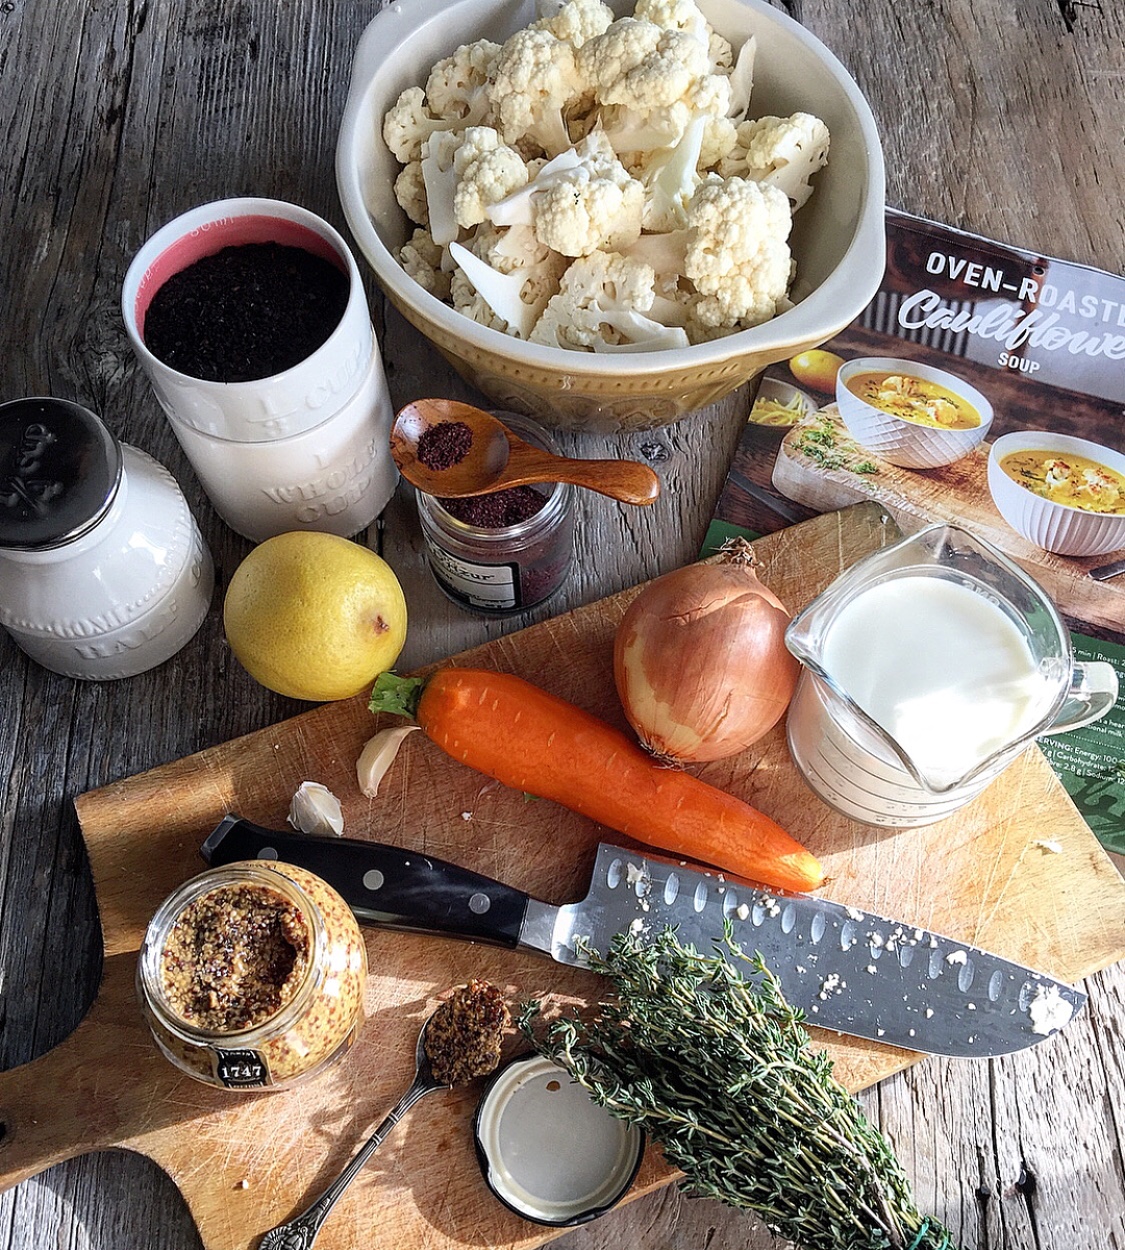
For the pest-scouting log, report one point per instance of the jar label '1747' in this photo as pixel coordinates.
(241, 1069)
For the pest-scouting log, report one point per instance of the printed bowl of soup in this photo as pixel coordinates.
(909, 414)
(1064, 494)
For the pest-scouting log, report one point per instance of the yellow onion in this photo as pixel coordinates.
(700, 660)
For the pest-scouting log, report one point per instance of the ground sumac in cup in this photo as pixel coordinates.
(445, 444)
(246, 312)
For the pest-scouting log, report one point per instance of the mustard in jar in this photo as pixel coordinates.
(251, 976)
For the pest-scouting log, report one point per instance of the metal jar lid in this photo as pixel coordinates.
(547, 1150)
(60, 468)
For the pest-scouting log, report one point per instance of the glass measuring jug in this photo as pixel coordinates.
(928, 667)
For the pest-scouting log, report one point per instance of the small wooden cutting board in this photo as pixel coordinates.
(245, 1162)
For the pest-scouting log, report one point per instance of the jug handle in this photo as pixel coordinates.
(1093, 691)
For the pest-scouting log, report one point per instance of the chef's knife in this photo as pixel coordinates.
(848, 970)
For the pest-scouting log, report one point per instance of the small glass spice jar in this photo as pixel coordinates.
(103, 571)
(251, 976)
(489, 563)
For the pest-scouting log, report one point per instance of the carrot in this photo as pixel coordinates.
(533, 741)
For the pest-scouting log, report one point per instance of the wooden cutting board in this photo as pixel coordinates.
(244, 1162)
(957, 493)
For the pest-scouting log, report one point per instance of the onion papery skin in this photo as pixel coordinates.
(700, 662)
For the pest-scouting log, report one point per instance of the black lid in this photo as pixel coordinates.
(59, 471)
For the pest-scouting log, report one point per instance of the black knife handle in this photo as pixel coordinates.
(384, 885)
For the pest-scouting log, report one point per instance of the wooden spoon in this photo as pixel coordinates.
(497, 459)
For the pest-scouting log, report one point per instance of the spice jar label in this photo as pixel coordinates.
(241, 1069)
(477, 585)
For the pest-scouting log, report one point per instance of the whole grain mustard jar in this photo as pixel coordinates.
(251, 976)
(504, 552)
(103, 571)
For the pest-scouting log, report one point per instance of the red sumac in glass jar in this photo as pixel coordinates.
(501, 553)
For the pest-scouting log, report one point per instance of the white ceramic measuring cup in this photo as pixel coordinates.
(307, 448)
(928, 668)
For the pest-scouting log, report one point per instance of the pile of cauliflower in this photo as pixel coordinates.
(594, 183)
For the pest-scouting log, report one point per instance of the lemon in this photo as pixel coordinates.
(817, 369)
(314, 616)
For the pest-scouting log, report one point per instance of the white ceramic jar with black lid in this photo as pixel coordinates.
(103, 570)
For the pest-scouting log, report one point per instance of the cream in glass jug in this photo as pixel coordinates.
(928, 667)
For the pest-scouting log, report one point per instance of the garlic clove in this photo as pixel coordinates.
(377, 757)
(315, 809)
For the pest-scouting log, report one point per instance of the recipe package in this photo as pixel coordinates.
(1043, 341)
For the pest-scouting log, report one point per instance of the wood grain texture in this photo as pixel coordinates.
(999, 116)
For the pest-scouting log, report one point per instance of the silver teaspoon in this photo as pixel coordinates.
(300, 1232)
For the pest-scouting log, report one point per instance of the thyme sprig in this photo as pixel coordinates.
(718, 1068)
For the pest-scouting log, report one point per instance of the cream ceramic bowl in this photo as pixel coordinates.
(1056, 527)
(906, 443)
(838, 238)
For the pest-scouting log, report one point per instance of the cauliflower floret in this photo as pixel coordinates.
(594, 205)
(537, 85)
(513, 248)
(456, 96)
(641, 65)
(439, 174)
(670, 180)
(942, 411)
(639, 137)
(720, 52)
(783, 152)
(682, 15)
(507, 248)
(742, 80)
(677, 304)
(487, 170)
(423, 259)
(408, 124)
(457, 88)
(580, 200)
(592, 289)
(410, 192)
(686, 15)
(651, 84)
(738, 258)
(720, 133)
(637, 332)
(577, 21)
(506, 279)
(468, 301)
(518, 208)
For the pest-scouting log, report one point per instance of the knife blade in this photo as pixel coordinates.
(848, 970)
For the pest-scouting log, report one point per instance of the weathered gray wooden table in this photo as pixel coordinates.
(1006, 118)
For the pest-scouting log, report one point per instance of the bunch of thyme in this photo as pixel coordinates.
(719, 1069)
